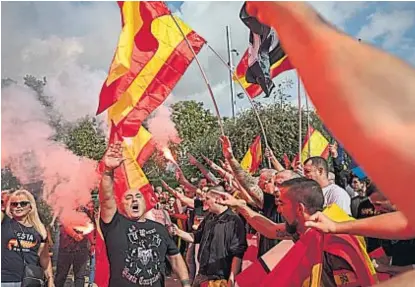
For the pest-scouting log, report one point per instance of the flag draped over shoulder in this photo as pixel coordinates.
(253, 157)
(151, 57)
(263, 60)
(302, 265)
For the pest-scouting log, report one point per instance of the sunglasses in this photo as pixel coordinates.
(21, 203)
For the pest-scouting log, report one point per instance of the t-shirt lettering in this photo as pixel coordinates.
(137, 251)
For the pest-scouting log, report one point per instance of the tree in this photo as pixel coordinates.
(86, 138)
(8, 180)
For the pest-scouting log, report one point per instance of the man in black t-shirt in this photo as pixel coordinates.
(136, 247)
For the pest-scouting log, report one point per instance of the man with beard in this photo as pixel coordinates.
(298, 200)
(136, 247)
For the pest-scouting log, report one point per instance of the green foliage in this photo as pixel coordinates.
(198, 129)
(8, 180)
(86, 138)
(45, 212)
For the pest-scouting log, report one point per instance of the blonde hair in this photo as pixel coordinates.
(32, 216)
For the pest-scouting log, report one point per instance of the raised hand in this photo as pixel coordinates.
(226, 147)
(179, 173)
(113, 157)
(321, 222)
(228, 199)
(268, 153)
(299, 168)
(169, 189)
(333, 150)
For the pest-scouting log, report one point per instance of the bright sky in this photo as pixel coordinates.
(72, 43)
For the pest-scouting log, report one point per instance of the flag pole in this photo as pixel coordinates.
(308, 125)
(203, 74)
(299, 117)
(247, 95)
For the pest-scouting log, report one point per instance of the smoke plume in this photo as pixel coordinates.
(163, 128)
(31, 154)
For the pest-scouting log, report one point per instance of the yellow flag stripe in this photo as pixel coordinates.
(247, 161)
(169, 37)
(318, 145)
(132, 24)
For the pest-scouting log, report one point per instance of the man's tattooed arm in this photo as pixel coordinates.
(247, 182)
(263, 225)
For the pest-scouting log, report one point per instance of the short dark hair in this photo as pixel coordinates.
(319, 161)
(305, 191)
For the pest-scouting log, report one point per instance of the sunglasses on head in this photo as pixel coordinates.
(21, 203)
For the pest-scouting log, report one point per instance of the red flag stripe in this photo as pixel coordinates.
(144, 48)
(157, 91)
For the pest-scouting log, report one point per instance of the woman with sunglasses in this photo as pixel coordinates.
(21, 222)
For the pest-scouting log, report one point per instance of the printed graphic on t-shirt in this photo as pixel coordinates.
(27, 240)
(142, 262)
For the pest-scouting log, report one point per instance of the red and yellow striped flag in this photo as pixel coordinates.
(253, 157)
(151, 57)
(319, 145)
(141, 146)
(255, 90)
(314, 142)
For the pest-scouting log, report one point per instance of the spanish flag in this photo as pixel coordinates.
(314, 144)
(150, 59)
(141, 146)
(253, 157)
(255, 90)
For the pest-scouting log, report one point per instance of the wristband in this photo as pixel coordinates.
(109, 172)
(185, 282)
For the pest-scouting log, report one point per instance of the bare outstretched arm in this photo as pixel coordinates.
(354, 84)
(112, 160)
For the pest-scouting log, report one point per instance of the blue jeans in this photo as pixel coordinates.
(92, 270)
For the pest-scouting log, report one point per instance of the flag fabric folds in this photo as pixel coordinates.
(264, 59)
(151, 57)
(141, 146)
(253, 157)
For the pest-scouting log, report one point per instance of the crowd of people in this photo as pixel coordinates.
(368, 223)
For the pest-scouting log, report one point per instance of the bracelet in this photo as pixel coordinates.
(109, 172)
(185, 282)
